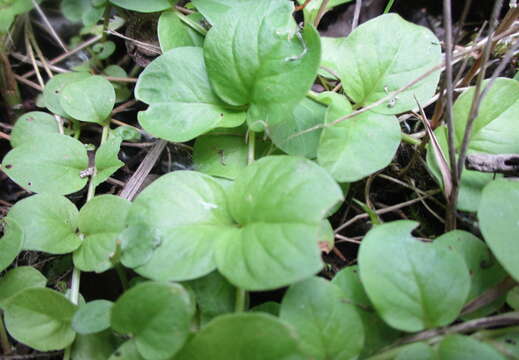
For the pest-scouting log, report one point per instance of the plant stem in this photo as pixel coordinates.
(410, 140)
(252, 144)
(388, 6)
(4, 339)
(122, 276)
(192, 24)
(239, 305)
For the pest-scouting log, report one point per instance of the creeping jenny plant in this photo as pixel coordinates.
(272, 162)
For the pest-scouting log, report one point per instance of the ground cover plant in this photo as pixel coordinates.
(221, 179)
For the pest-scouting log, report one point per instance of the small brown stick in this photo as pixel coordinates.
(124, 106)
(4, 136)
(503, 163)
(121, 79)
(489, 296)
(28, 82)
(356, 14)
(27, 60)
(49, 26)
(302, 7)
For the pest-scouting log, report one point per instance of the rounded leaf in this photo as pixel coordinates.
(51, 166)
(460, 347)
(147, 6)
(314, 307)
(18, 279)
(49, 223)
(158, 315)
(10, 243)
(54, 87)
(243, 336)
(91, 99)
(427, 285)
(32, 127)
(173, 33)
(498, 216)
(40, 318)
(182, 102)
(92, 317)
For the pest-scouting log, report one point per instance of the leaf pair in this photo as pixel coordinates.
(186, 224)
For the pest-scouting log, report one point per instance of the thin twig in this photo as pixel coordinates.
(49, 26)
(356, 15)
(28, 82)
(320, 13)
(489, 296)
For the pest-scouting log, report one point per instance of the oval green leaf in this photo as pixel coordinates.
(40, 318)
(158, 315)
(498, 216)
(173, 33)
(52, 166)
(54, 87)
(10, 243)
(314, 307)
(427, 285)
(49, 223)
(147, 6)
(182, 103)
(262, 335)
(373, 61)
(92, 317)
(33, 127)
(18, 279)
(460, 347)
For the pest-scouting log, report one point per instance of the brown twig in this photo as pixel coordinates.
(502, 163)
(321, 12)
(489, 296)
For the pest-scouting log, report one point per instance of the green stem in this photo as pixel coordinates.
(252, 144)
(410, 140)
(122, 276)
(106, 22)
(239, 305)
(4, 339)
(388, 6)
(191, 23)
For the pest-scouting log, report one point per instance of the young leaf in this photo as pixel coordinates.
(158, 315)
(33, 127)
(91, 99)
(74, 9)
(255, 56)
(485, 271)
(460, 347)
(106, 160)
(173, 33)
(311, 9)
(377, 334)
(49, 223)
(54, 88)
(40, 318)
(358, 147)
(92, 317)
(147, 6)
(182, 103)
(101, 220)
(427, 285)
(182, 214)
(499, 221)
(372, 62)
(243, 336)
(306, 114)
(10, 243)
(51, 166)
(223, 156)
(122, 92)
(213, 10)
(279, 203)
(18, 279)
(127, 351)
(329, 327)
(214, 296)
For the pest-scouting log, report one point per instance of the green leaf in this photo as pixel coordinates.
(18, 279)
(512, 298)
(106, 160)
(74, 9)
(40, 318)
(11, 8)
(10, 243)
(243, 336)
(377, 334)
(269, 307)
(173, 33)
(52, 92)
(103, 50)
(182, 214)
(427, 285)
(33, 127)
(417, 351)
(49, 223)
(254, 57)
(312, 8)
(460, 347)
(357, 147)
(51, 166)
(224, 156)
(496, 130)
(127, 351)
(101, 220)
(329, 327)
(485, 271)
(147, 6)
(122, 92)
(97, 346)
(182, 103)
(91, 99)
(214, 296)
(499, 222)
(278, 203)
(306, 114)
(91, 17)
(373, 61)
(158, 315)
(213, 10)
(92, 317)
